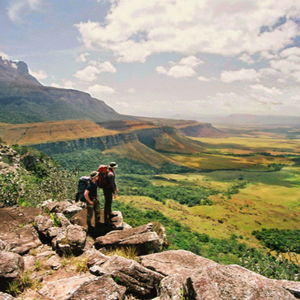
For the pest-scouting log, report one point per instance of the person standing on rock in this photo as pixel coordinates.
(90, 195)
(110, 191)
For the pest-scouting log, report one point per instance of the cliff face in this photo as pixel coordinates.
(201, 130)
(101, 143)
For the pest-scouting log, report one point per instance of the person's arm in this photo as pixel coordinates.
(111, 182)
(87, 197)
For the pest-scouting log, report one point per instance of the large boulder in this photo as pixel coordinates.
(22, 240)
(64, 288)
(67, 207)
(232, 282)
(138, 280)
(171, 287)
(70, 240)
(172, 262)
(102, 288)
(11, 267)
(291, 286)
(143, 238)
(42, 225)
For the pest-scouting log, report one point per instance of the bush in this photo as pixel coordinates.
(279, 240)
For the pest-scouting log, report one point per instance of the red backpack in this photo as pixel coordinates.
(103, 172)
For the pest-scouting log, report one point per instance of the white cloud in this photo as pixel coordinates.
(202, 78)
(247, 58)
(240, 75)
(184, 68)
(98, 90)
(266, 90)
(135, 29)
(18, 8)
(287, 64)
(131, 91)
(39, 75)
(82, 57)
(91, 72)
(4, 55)
(88, 73)
(66, 84)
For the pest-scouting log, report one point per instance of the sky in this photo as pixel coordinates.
(163, 58)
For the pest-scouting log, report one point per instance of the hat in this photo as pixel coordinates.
(113, 164)
(94, 174)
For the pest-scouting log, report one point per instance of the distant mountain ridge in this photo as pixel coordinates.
(24, 100)
(16, 72)
(252, 119)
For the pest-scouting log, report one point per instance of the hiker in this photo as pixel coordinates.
(110, 191)
(90, 195)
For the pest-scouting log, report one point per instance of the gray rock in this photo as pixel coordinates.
(4, 296)
(11, 266)
(70, 240)
(3, 245)
(64, 288)
(95, 257)
(172, 262)
(53, 232)
(103, 288)
(29, 262)
(143, 238)
(67, 207)
(233, 282)
(97, 270)
(292, 286)
(72, 210)
(139, 281)
(23, 240)
(172, 288)
(64, 221)
(42, 224)
(53, 262)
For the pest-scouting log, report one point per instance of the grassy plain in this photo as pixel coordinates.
(269, 198)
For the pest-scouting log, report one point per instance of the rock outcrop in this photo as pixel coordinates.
(11, 267)
(143, 238)
(88, 273)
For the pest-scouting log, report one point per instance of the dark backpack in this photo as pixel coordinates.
(81, 187)
(103, 172)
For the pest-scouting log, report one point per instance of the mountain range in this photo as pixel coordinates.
(24, 100)
(33, 114)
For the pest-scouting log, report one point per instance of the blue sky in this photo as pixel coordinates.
(170, 58)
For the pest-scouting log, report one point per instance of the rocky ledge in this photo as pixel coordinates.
(53, 257)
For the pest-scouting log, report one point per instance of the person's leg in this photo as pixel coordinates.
(89, 214)
(107, 205)
(97, 211)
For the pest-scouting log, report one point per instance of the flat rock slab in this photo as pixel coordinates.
(181, 262)
(142, 237)
(16, 232)
(64, 288)
(233, 282)
(102, 288)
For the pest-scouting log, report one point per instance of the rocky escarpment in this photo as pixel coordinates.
(101, 143)
(66, 263)
(201, 130)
